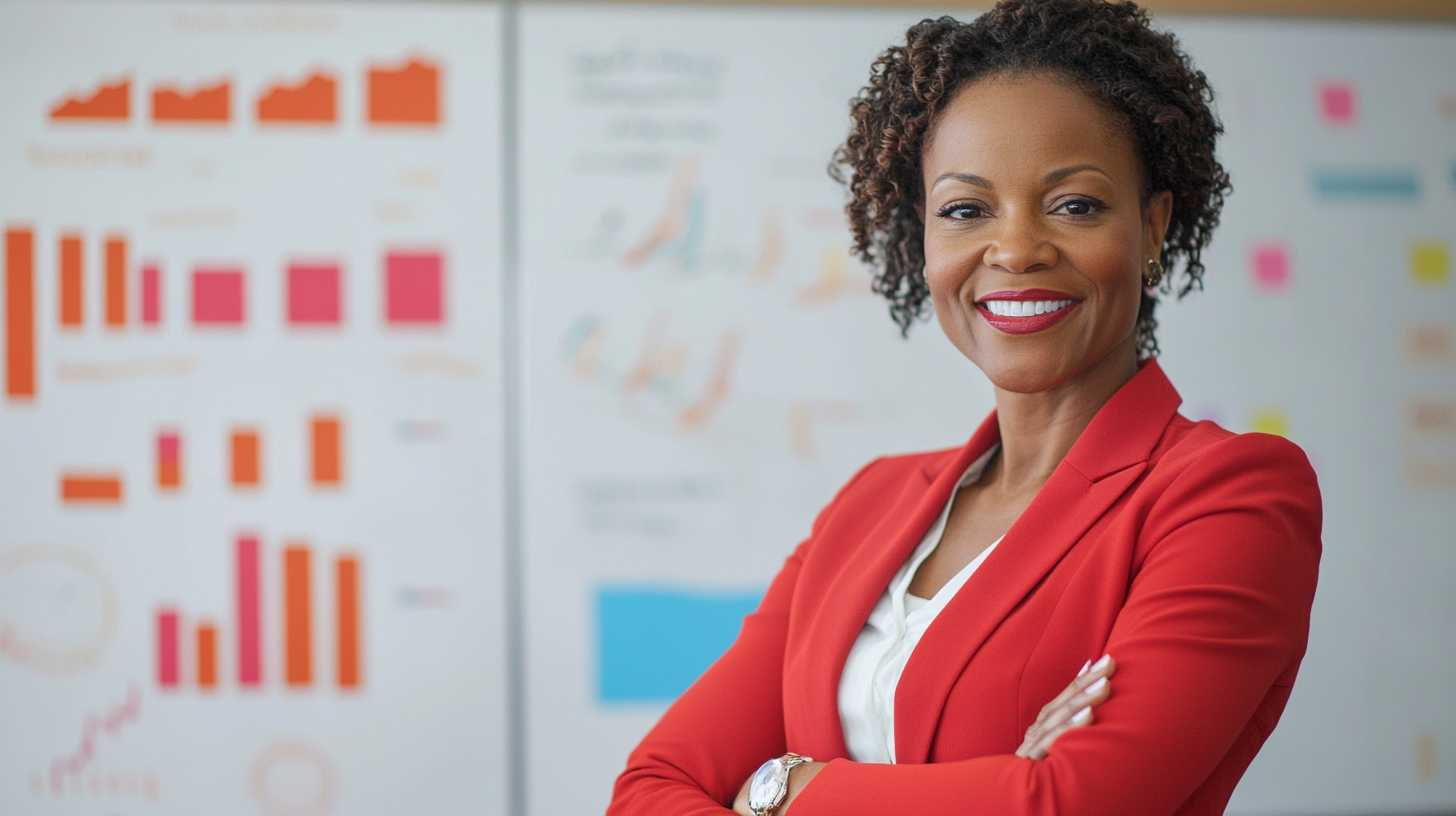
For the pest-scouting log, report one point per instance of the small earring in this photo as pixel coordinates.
(1154, 275)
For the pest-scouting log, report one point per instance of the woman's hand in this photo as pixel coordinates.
(1071, 709)
(799, 776)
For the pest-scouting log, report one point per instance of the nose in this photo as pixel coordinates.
(1020, 245)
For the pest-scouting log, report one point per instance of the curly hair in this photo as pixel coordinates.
(1109, 50)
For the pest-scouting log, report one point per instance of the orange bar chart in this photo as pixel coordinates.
(346, 586)
(247, 468)
(328, 467)
(207, 656)
(406, 95)
(312, 101)
(72, 281)
(297, 617)
(208, 104)
(108, 102)
(19, 313)
(116, 282)
(91, 488)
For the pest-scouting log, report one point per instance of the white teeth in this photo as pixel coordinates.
(1025, 308)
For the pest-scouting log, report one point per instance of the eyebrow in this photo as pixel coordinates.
(1067, 172)
(1051, 178)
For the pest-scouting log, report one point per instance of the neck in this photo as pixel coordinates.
(1038, 429)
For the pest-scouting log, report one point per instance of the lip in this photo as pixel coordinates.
(1030, 324)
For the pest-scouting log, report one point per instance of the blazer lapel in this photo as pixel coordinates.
(858, 587)
(1107, 459)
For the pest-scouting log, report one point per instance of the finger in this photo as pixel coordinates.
(1104, 667)
(1094, 695)
(1081, 719)
(1085, 667)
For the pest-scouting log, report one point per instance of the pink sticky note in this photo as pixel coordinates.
(217, 296)
(1269, 267)
(1337, 102)
(414, 288)
(313, 294)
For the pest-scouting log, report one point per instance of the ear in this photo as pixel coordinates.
(1157, 214)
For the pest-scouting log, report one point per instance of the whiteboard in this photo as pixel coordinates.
(250, 522)
(675, 205)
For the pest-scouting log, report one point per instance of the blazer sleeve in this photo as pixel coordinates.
(693, 762)
(1216, 613)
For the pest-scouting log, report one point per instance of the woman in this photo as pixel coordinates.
(940, 642)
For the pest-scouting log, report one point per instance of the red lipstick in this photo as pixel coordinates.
(1027, 324)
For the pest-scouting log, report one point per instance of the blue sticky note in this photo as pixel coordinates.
(653, 642)
(1357, 183)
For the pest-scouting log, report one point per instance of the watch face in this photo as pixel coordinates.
(767, 786)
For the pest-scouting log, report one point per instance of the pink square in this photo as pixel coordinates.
(1337, 103)
(169, 447)
(217, 296)
(313, 294)
(1269, 266)
(414, 287)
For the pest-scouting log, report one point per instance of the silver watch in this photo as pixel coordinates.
(771, 782)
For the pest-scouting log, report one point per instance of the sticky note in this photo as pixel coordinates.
(1430, 264)
(653, 642)
(1337, 102)
(1269, 421)
(1269, 266)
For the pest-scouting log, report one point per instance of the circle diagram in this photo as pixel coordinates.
(58, 610)
(292, 778)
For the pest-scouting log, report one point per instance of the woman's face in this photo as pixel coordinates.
(1036, 234)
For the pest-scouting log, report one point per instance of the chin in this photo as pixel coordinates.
(1023, 371)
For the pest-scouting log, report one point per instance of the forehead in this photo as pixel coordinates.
(1027, 123)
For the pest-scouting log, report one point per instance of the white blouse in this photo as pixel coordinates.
(867, 686)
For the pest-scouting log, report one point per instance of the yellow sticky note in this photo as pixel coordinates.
(1269, 421)
(1430, 264)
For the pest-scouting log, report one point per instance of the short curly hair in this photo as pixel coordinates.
(1109, 50)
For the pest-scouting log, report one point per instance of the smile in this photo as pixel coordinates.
(1027, 311)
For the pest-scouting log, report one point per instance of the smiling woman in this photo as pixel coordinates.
(1031, 176)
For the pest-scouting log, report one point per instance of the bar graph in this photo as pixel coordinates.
(19, 313)
(151, 295)
(247, 470)
(297, 616)
(169, 460)
(346, 611)
(299, 656)
(169, 674)
(250, 612)
(206, 655)
(72, 281)
(328, 469)
(91, 488)
(115, 282)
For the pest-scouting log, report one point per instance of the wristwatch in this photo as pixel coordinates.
(771, 782)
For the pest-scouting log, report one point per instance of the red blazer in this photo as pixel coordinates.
(1187, 552)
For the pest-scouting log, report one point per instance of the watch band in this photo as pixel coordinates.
(780, 768)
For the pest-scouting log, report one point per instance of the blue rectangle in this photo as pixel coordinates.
(1348, 183)
(653, 642)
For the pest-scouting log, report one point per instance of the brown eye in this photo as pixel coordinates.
(960, 211)
(1081, 207)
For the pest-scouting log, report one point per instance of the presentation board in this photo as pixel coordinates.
(251, 548)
